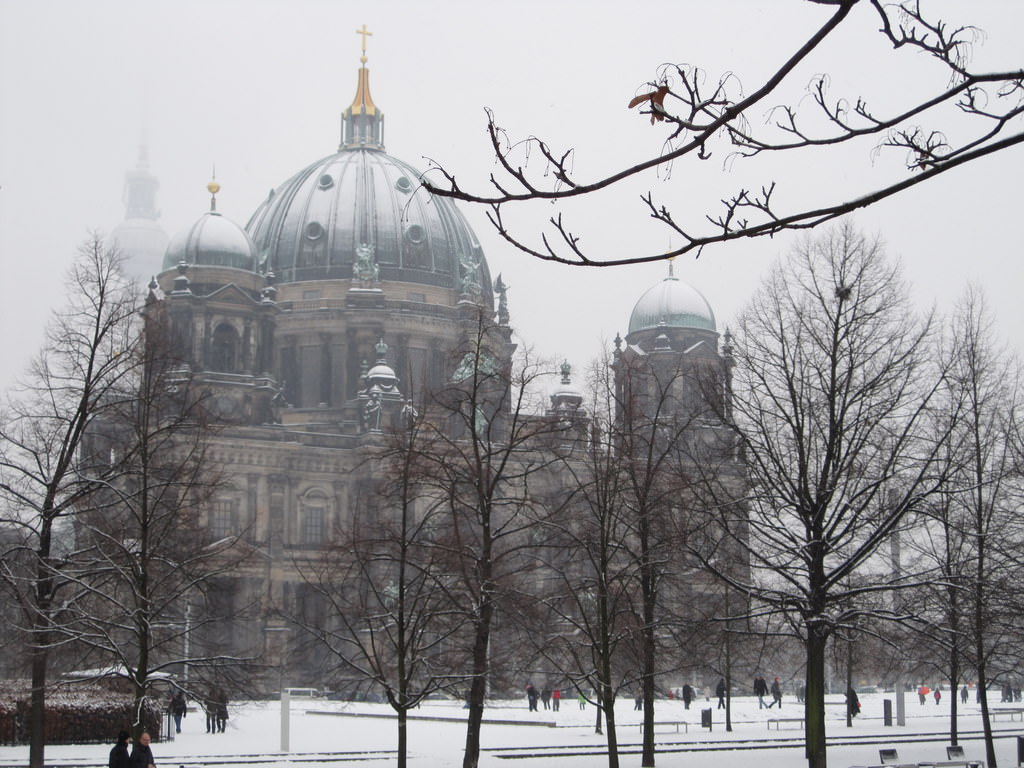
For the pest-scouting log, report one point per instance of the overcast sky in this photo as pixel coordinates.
(257, 87)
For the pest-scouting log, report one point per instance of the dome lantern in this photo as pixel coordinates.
(362, 124)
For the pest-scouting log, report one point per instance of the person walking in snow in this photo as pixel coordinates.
(531, 697)
(852, 702)
(687, 695)
(556, 699)
(760, 690)
(938, 695)
(545, 697)
(776, 694)
(720, 692)
(178, 709)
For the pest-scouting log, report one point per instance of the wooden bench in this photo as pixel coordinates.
(780, 720)
(676, 723)
(1015, 713)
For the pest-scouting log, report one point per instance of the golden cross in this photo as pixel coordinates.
(364, 32)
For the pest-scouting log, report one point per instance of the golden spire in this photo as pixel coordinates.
(362, 123)
(213, 188)
(363, 104)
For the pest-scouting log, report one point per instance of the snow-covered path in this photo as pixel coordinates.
(324, 732)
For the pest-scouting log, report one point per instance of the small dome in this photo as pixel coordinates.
(212, 241)
(672, 304)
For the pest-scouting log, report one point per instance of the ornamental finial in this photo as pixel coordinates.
(213, 188)
(365, 33)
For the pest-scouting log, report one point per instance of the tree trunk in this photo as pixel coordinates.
(37, 706)
(478, 686)
(609, 715)
(403, 745)
(849, 683)
(814, 704)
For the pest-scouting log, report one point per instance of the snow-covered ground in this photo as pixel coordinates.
(322, 732)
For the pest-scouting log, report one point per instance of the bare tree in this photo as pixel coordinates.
(592, 630)
(483, 434)
(44, 475)
(146, 554)
(833, 381)
(976, 531)
(696, 123)
(383, 586)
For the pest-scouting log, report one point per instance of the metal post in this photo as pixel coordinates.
(901, 704)
(286, 701)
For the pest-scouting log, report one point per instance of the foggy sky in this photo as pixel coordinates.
(257, 88)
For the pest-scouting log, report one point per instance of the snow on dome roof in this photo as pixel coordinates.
(673, 304)
(212, 241)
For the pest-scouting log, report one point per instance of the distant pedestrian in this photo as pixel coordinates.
(687, 695)
(922, 694)
(760, 690)
(938, 695)
(210, 708)
(222, 711)
(556, 699)
(801, 693)
(852, 702)
(531, 697)
(142, 755)
(119, 757)
(720, 692)
(178, 709)
(963, 695)
(581, 700)
(545, 697)
(638, 702)
(776, 694)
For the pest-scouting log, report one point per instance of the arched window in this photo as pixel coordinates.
(225, 349)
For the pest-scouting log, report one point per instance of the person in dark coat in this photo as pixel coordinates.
(210, 707)
(776, 694)
(531, 697)
(178, 709)
(963, 694)
(638, 702)
(545, 697)
(760, 690)
(687, 695)
(720, 692)
(142, 755)
(222, 710)
(119, 757)
(852, 702)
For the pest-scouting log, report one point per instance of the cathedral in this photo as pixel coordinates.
(318, 324)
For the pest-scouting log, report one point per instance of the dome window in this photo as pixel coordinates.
(326, 181)
(414, 233)
(403, 184)
(314, 231)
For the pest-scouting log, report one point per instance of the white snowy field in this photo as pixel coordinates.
(323, 732)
